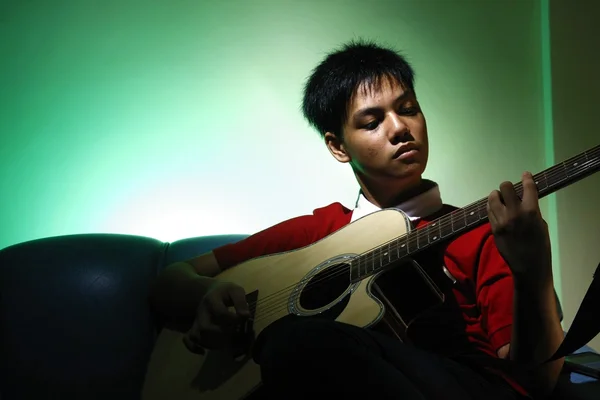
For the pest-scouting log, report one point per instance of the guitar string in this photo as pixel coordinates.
(273, 305)
(413, 233)
(276, 298)
(276, 303)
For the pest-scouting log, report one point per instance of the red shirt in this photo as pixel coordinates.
(483, 288)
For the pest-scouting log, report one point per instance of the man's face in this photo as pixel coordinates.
(385, 136)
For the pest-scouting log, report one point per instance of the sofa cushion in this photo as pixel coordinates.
(75, 318)
(185, 249)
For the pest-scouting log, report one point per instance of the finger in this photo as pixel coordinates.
(509, 196)
(495, 203)
(195, 333)
(205, 333)
(494, 198)
(202, 323)
(192, 338)
(211, 338)
(192, 345)
(237, 296)
(219, 312)
(530, 192)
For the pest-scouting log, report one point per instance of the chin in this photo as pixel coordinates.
(411, 171)
(405, 181)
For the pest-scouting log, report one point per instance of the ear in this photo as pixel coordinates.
(336, 147)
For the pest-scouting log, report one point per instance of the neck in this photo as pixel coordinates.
(381, 195)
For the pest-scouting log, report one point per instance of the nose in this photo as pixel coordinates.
(399, 131)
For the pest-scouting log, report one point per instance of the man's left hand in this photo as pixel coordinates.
(520, 232)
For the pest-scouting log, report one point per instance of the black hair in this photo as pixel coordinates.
(333, 83)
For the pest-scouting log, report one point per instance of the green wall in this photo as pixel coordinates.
(182, 118)
(575, 66)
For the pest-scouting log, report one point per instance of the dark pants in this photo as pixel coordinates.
(303, 358)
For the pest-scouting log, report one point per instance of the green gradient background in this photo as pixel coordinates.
(574, 33)
(181, 118)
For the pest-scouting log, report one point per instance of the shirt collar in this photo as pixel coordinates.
(415, 208)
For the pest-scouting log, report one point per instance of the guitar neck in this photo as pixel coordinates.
(464, 219)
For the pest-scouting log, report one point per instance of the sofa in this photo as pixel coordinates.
(75, 321)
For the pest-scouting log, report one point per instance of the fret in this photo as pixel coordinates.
(571, 166)
(371, 261)
(418, 234)
(374, 264)
(394, 251)
(482, 209)
(402, 246)
(388, 253)
(471, 214)
(385, 254)
(458, 220)
(593, 157)
(355, 268)
(556, 175)
(446, 226)
(541, 182)
(360, 266)
(434, 231)
(412, 242)
(483, 214)
(580, 164)
(566, 170)
(422, 238)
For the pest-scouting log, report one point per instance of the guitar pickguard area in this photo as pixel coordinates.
(325, 290)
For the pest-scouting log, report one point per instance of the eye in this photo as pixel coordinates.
(371, 125)
(409, 110)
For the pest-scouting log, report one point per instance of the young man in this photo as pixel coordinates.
(500, 304)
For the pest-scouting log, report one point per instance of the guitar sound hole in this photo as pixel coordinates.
(325, 287)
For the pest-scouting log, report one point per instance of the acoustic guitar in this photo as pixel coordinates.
(348, 264)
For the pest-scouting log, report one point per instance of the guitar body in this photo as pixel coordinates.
(278, 284)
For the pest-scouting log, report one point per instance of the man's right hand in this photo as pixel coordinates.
(215, 322)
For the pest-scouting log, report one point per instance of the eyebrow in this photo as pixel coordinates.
(373, 110)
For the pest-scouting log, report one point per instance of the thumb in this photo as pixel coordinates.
(238, 299)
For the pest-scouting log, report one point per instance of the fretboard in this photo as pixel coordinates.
(469, 217)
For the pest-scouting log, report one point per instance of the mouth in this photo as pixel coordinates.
(405, 151)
